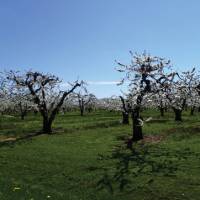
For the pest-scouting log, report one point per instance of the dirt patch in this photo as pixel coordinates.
(153, 138)
(182, 130)
(10, 139)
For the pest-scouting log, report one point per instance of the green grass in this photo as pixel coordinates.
(87, 159)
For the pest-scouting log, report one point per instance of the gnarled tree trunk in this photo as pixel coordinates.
(178, 114)
(125, 112)
(192, 110)
(137, 128)
(125, 118)
(47, 126)
(23, 114)
(82, 111)
(161, 111)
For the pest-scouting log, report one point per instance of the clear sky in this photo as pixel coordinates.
(82, 38)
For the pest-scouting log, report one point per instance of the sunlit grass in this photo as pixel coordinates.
(70, 163)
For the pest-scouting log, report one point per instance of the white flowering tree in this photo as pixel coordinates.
(193, 99)
(160, 101)
(84, 98)
(109, 103)
(22, 100)
(181, 92)
(6, 105)
(45, 92)
(117, 103)
(143, 74)
(70, 104)
(196, 95)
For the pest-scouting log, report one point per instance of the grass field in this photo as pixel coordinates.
(87, 160)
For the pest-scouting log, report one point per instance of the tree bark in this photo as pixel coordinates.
(35, 112)
(192, 110)
(82, 111)
(90, 109)
(22, 111)
(47, 126)
(125, 112)
(81, 106)
(161, 111)
(137, 128)
(125, 118)
(178, 114)
(23, 114)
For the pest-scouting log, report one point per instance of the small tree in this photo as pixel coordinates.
(84, 98)
(117, 104)
(6, 105)
(45, 92)
(70, 104)
(22, 101)
(160, 101)
(181, 91)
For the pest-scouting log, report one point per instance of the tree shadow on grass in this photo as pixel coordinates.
(27, 136)
(180, 133)
(10, 141)
(140, 166)
(158, 121)
(93, 126)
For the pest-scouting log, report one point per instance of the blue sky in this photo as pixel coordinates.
(82, 38)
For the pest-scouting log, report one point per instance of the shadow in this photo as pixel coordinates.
(140, 166)
(93, 126)
(158, 121)
(181, 133)
(12, 141)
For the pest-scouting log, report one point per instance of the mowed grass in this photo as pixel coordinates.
(85, 159)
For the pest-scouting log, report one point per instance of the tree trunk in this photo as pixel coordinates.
(23, 115)
(125, 118)
(47, 125)
(137, 128)
(35, 112)
(22, 111)
(192, 110)
(82, 111)
(89, 110)
(161, 111)
(178, 114)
